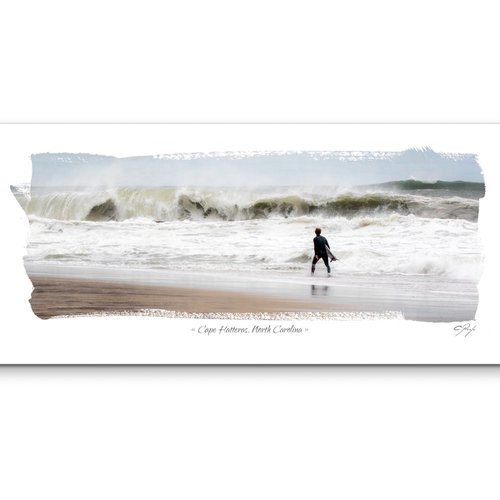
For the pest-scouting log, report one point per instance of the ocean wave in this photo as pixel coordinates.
(463, 189)
(413, 184)
(167, 204)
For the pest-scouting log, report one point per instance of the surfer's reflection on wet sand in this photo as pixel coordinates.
(319, 290)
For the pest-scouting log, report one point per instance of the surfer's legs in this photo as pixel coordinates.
(313, 267)
(325, 260)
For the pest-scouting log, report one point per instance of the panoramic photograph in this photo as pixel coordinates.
(255, 234)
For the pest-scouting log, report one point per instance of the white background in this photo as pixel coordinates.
(249, 432)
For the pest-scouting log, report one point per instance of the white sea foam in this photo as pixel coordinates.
(368, 245)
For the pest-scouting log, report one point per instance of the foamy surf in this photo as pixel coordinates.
(383, 244)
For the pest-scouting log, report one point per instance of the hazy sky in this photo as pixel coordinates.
(252, 169)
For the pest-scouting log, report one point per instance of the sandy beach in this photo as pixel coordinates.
(74, 293)
(56, 296)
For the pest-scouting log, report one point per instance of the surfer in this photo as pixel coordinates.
(321, 251)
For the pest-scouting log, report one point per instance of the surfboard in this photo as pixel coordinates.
(330, 254)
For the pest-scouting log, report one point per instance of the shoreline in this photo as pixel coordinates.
(121, 292)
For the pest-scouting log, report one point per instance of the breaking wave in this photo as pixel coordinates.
(166, 204)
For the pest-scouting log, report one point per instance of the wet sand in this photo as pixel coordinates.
(71, 295)
(59, 296)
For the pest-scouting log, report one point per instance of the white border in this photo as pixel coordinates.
(28, 339)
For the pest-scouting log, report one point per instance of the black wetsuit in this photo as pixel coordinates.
(320, 244)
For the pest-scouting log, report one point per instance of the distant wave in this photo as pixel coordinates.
(414, 185)
(163, 204)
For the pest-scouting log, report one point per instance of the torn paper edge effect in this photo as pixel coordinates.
(303, 316)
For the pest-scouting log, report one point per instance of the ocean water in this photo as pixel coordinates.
(406, 228)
